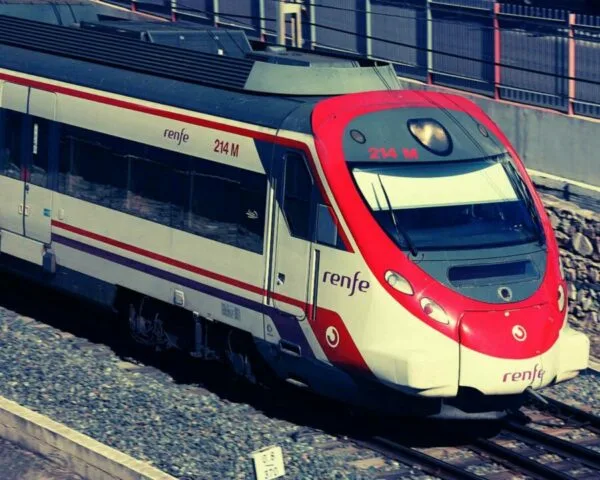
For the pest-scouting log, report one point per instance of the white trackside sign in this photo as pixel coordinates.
(268, 463)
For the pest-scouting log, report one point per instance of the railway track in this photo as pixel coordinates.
(554, 441)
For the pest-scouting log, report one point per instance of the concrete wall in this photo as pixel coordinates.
(547, 141)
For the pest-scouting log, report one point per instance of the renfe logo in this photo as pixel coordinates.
(526, 375)
(347, 282)
(332, 337)
(179, 137)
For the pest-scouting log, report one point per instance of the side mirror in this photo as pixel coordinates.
(326, 231)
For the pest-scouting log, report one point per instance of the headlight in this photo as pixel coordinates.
(561, 301)
(398, 282)
(434, 311)
(431, 134)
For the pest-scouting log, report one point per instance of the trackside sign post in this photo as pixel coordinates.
(268, 463)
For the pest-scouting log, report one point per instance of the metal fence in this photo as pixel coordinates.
(530, 55)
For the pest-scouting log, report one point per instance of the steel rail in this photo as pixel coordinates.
(570, 450)
(574, 413)
(525, 464)
(412, 457)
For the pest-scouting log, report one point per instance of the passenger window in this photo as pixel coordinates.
(38, 174)
(90, 171)
(11, 127)
(253, 188)
(148, 195)
(216, 201)
(296, 202)
(180, 200)
(228, 205)
(213, 214)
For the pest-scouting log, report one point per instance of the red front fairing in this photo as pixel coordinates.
(485, 331)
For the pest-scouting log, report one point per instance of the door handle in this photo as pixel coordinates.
(280, 278)
(26, 210)
(20, 209)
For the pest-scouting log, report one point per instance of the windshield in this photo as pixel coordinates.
(448, 205)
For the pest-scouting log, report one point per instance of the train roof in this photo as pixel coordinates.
(64, 12)
(214, 71)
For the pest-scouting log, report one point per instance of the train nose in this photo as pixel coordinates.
(506, 351)
(509, 333)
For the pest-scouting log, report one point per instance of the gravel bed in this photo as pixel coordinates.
(582, 391)
(187, 432)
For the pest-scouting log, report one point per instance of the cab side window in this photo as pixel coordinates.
(297, 195)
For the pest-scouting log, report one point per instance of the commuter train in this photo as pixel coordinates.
(295, 214)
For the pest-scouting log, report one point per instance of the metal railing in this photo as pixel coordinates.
(537, 56)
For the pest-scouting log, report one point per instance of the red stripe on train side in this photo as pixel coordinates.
(158, 257)
(175, 263)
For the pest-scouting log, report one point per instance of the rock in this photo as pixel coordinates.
(564, 226)
(570, 274)
(577, 223)
(572, 292)
(562, 238)
(591, 318)
(554, 220)
(566, 261)
(587, 304)
(582, 245)
(594, 275)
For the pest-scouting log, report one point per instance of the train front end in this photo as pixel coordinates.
(467, 301)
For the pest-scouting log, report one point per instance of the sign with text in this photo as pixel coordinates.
(268, 463)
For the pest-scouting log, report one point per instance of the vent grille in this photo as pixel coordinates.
(126, 53)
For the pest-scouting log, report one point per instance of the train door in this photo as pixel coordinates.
(291, 242)
(13, 144)
(301, 226)
(38, 196)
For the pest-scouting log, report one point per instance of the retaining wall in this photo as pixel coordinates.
(578, 235)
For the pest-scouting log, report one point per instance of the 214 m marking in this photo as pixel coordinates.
(227, 148)
(382, 153)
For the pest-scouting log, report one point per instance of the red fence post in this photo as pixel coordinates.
(173, 10)
(572, 59)
(497, 51)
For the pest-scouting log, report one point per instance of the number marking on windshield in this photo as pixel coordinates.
(376, 153)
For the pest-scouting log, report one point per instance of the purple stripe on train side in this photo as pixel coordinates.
(287, 326)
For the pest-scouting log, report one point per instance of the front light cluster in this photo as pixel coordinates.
(430, 308)
(434, 311)
(398, 282)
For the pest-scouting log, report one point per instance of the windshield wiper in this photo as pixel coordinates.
(522, 191)
(399, 231)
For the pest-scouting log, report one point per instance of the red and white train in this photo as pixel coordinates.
(283, 209)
